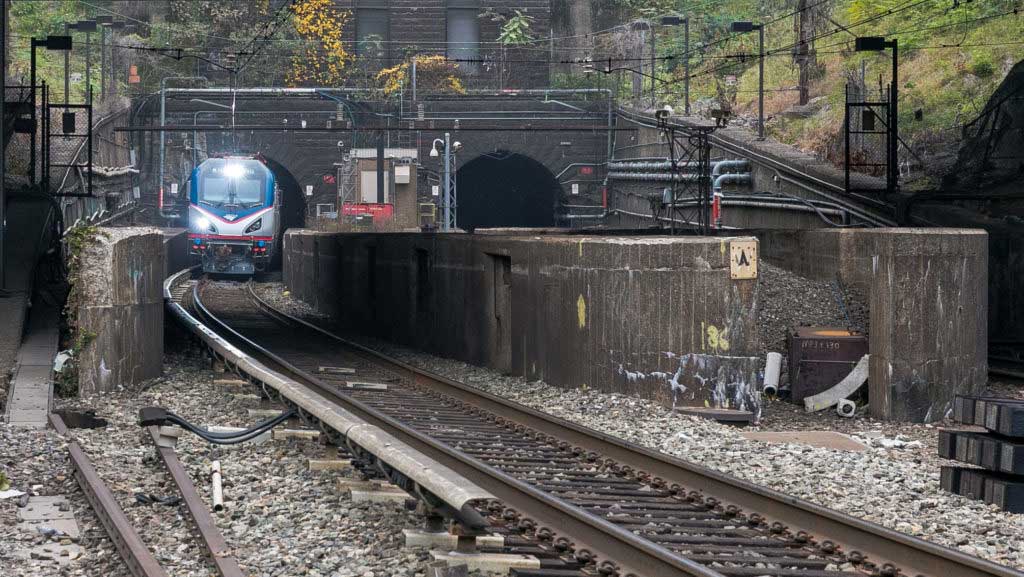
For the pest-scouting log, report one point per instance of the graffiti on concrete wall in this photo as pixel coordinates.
(704, 380)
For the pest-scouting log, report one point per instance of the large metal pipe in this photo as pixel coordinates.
(724, 179)
(724, 166)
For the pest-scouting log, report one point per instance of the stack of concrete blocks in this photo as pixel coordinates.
(120, 290)
(928, 294)
(659, 317)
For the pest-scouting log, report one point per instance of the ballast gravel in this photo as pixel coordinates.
(894, 482)
(280, 519)
(35, 462)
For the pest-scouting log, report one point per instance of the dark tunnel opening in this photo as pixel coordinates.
(293, 204)
(505, 189)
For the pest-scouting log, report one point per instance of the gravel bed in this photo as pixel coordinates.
(37, 463)
(817, 305)
(279, 518)
(895, 482)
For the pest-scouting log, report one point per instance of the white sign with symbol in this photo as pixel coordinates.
(309, 190)
(435, 190)
(575, 188)
(743, 259)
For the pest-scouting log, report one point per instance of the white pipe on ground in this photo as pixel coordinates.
(772, 371)
(218, 489)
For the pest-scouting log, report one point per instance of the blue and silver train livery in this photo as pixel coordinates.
(233, 215)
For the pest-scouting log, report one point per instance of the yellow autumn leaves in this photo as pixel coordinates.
(434, 73)
(324, 60)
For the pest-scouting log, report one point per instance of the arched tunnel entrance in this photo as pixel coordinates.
(505, 189)
(293, 204)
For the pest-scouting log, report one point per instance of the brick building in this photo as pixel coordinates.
(386, 32)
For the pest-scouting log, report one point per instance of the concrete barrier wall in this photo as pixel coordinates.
(928, 295)
(658, 317)
(120, 309)
(176, 256)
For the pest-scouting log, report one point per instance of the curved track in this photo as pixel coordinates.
(580, 500)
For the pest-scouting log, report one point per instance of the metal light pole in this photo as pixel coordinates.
(877, 44)
(446, 201)
(685, 21)
(449, 193)
(750, 27)
(3, 145)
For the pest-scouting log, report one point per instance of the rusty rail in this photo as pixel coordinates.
(215, 545)
(136, 555)
(886, 548)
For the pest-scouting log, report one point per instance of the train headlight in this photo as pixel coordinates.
(203, 224)
(254, 226)
(234, 170)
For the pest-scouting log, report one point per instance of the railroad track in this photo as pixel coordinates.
(582, 501)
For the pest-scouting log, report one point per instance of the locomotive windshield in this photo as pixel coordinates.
(236, 183)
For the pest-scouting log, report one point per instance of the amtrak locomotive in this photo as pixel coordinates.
(233, 215)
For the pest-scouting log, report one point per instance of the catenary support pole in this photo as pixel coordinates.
(760, 83)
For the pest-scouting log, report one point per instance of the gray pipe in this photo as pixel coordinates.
(725, 165)
(723, 179)
(652, 176)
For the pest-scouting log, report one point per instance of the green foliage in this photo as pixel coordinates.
(78, 239)
(983, 67)
(516, 30)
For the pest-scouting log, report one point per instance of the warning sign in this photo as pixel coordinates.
(743, 259)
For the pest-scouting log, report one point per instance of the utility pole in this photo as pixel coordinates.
(750, 27)
(686, 64)
(676, 21)
(67, 66)
(803, 56)
(3, 148)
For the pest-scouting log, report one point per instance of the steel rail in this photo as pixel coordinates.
(217, 548)
(129, 544)
(879, 545)
(632, 554)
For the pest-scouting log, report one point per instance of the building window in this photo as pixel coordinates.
(464, 32)
(373, 30)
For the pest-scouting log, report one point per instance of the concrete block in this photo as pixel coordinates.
(653, 316)
(929, 321)
(446, 541)
(337, 370)
(366, 386)
(395, 496)
(822, 439)
(309, 435)
(490, 563)
(264, 413)
(45, 508)
(329, 464)
(120, 290)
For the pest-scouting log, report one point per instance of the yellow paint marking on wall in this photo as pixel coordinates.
(580, 245)
(716, 339)
(581, 311)
(721, 246)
